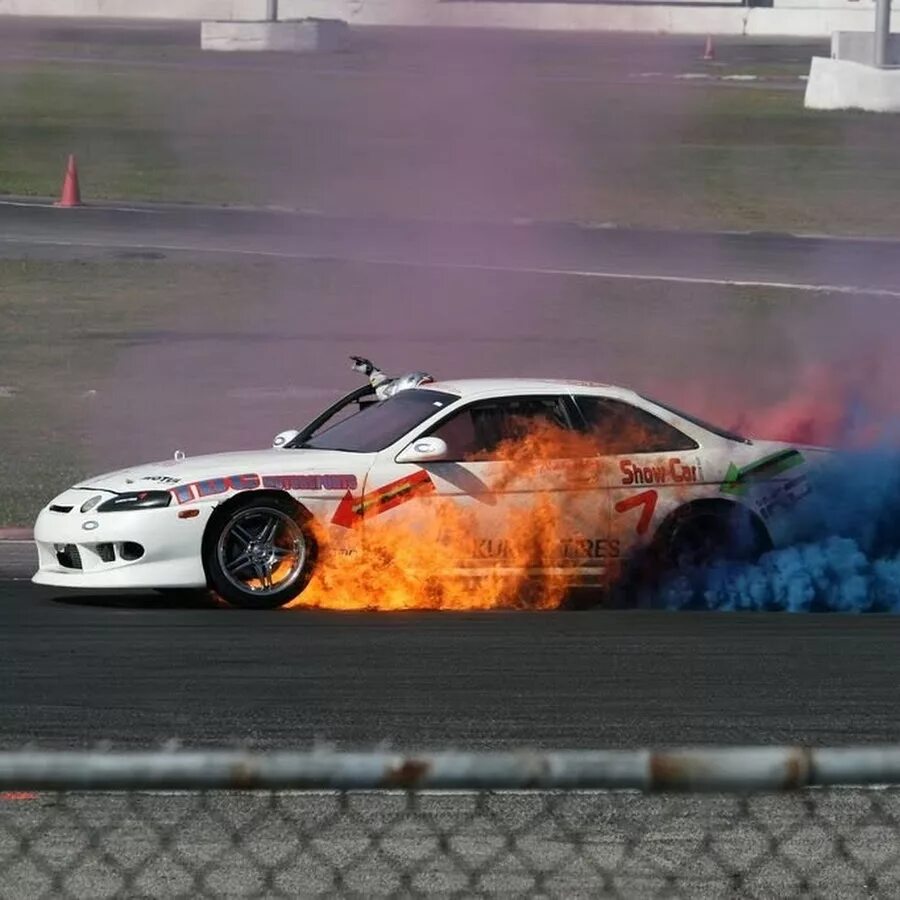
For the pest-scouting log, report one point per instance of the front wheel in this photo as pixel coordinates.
(259, 553)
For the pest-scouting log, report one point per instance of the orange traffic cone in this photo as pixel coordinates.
(710, 52)
(71, 193)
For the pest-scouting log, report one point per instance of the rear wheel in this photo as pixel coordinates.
(259, 553)
(698, 537)
(693, 539)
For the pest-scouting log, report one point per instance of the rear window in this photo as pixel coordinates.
(618, 427)
(715, 429)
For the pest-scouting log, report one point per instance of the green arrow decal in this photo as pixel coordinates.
(737, 480)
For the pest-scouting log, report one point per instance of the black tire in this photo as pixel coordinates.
(697, 537)
(694, 538)
(259, 552)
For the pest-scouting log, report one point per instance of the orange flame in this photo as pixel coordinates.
(427, 558)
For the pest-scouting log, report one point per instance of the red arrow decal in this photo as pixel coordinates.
(350, 511)
(345, 515)
(647, 499)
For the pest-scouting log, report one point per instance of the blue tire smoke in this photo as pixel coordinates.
(844, 556)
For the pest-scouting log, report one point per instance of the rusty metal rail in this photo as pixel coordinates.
(700, 769)
(452, 824)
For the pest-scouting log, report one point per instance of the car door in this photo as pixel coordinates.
(517, 495)
(651, 466)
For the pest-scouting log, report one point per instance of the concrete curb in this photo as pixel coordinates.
(16, 534)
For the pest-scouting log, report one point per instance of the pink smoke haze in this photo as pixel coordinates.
(841, 406)
(819, 410)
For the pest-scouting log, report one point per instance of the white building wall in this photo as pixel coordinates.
(787, 17)
(137, 9)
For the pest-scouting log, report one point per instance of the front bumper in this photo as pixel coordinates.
(92, 550)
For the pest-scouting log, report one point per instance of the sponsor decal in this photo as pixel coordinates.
(592, 548)
(666, 471)
(646, 501)
(352, 510)
(210, 487)
(737, 480)
(310, 482)
(568, 548)
(161, 479)
(785, 496)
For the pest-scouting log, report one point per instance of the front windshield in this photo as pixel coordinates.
(378, 425)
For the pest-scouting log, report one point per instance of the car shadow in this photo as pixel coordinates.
(140, 600)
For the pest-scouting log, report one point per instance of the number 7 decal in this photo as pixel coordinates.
(647, 499)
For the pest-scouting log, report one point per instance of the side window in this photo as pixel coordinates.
(478, 432)
(619, 427)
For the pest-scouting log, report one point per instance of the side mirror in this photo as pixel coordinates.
(284, 437)
(426, 449)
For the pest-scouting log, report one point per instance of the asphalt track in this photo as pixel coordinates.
(852, 265)
(136, 670)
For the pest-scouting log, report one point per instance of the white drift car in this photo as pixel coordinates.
(239, 523)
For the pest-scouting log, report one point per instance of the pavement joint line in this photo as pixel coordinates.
(851, 290)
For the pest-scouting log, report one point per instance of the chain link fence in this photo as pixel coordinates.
(763, 822)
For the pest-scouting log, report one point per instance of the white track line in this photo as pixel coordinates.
(215, 65)
(853, 290)
(50, 204)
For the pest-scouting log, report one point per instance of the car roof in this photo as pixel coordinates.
(499, 387)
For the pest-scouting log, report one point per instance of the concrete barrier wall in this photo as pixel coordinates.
(672, 19)
(859, 46)
(844, 84)
(808, 22)
(556, 16)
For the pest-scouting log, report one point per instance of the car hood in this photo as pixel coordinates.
(169, 473)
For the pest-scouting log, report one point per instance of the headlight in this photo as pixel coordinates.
(88, 505)
(136, 500)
